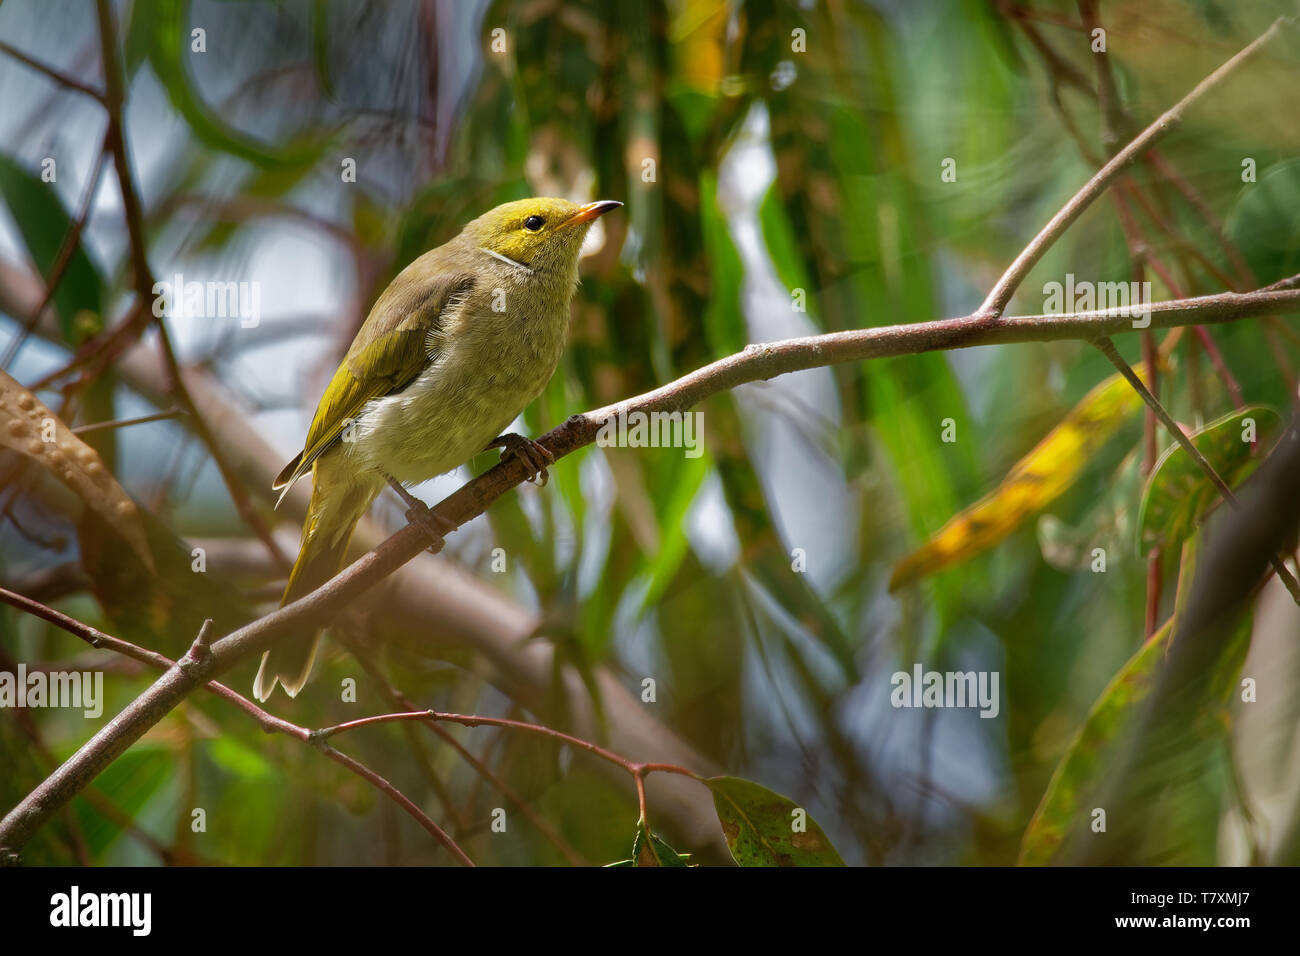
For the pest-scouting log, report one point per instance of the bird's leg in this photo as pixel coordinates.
(532, 454)
(418, 514)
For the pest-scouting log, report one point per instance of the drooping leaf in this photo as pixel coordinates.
(1033, 483)
(1079, 781)
(781, 243)
(672, 509)
(1178, 493)
(30, 429)
(1060, 809)
(763, 828)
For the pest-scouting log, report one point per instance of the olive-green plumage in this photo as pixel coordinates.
(452, 351)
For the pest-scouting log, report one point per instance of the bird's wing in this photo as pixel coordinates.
(399, 338)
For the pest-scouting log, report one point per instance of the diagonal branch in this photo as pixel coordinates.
(58, 76)
(267, 721)
(1107, 348)
(114, 100)
(1001, 294)
(755, 363)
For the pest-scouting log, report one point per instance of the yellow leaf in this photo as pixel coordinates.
(698, 34)
(30, 429)
(1035, 481)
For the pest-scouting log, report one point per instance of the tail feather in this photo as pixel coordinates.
(335, 509)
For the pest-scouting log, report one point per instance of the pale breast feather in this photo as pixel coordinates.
(381, 360)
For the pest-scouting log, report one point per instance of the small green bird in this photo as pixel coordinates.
(454, 349)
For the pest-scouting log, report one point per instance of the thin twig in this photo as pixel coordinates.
(1107, 348)
(144, 283)
(397, 698)
(58, 76)
(1001, 293)
(755, 363)
(267, 721)
(127, 422)
(473, 720)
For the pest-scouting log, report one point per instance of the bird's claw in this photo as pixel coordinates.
(419, 514)
(433, 525)
(536, 456)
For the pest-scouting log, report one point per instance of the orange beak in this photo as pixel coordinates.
(593, 210)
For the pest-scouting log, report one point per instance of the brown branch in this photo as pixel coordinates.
(397, 698)
(638, 769)
(200, 650)
(56, 75)
(473, 720)
(128, 422)
(114, 101)
(755, 363)
(1107, 348)
(1114, 124)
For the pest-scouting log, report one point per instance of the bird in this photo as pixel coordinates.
(453, 350)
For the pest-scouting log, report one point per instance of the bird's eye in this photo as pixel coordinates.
(533, 223)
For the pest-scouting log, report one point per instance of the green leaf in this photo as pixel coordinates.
(1059, 810)
(1076, 783)
(1270, 243)
(781, 242)
(650, 849)
(723, 319)
(168, 50)
(239, 760)
(672, 508)
(1179, 493)
(131, 780)
(44, 223)
(759, 826)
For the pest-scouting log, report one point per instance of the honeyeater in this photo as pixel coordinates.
(452, 351)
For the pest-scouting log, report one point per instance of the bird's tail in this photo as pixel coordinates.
(337, 504)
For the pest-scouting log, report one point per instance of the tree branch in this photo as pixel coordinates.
(56, 75)
(1107, 348)
(114, 101)
(1006, 286)
(755, 363)
(267, 721)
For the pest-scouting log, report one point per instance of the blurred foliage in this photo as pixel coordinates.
(782, 165)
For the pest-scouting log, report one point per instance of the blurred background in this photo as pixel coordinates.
(787, 168)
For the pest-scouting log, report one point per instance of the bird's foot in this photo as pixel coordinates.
(419, 514)
(532, 454)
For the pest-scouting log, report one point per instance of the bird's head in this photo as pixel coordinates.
(542, 235)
